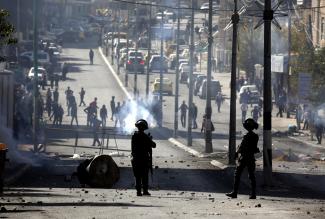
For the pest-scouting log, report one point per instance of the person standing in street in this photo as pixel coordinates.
(96, 125)
(112, 103)
(319, 130)
(219, 100)
(56, 95)
(91, 56)
(74, 113)
(103, 115)
(247, 149)
(67, 92)
(82, 96)
(56, 80)
(194, 115)
(90, 114)
(65, 69)
(256, 113)
(60, 115)
(117, 114)
(141, 151)
(183, 108)
(71, 102)
(243, 108)
(281, 106)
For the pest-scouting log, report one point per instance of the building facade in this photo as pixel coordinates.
(318, 22)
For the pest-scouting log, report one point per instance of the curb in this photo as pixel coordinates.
(307, 143)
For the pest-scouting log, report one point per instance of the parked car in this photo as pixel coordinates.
(198, 83)
(134, 53)
(195, 75)
(56, 53)
(167, 86)
(155, 64)
(41, 74)
(135, 64)
(253, 95)
(215, 88)
(215, 5)
(184, 77)
(42, 57)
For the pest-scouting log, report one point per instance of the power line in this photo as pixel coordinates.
(221, 10)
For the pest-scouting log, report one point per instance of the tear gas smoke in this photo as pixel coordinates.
(135, 110)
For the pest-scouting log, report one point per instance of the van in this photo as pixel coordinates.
(215, 89)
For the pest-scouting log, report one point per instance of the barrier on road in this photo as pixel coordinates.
(106, 134)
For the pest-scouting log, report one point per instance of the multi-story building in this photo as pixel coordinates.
(318, 22)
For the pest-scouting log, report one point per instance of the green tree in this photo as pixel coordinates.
(6, 31)
(250, 49)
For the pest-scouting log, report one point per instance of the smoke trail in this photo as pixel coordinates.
(13, 153)
(135, 110)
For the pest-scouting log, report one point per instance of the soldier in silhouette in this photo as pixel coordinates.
(246, 149)
(141, 146)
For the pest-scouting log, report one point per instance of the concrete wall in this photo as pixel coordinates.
(6, 98)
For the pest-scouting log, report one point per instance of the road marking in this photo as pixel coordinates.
(218, 164)
(307, 143)
(185, 148)
(114, 74)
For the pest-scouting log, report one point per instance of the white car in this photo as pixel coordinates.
(41, 73)
(215, 5)
(252, 91)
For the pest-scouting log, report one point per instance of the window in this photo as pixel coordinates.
(322, 29)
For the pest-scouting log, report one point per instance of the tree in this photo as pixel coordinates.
(6, 31)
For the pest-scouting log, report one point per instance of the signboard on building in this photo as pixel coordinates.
(304, 85)
(277, 63)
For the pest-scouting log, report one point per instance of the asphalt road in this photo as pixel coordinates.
(183, 186)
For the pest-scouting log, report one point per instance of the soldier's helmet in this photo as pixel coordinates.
(141, 124)
(250, 124)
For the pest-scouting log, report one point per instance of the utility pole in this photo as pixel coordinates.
(135, 90)
(161, 68)
(289, 58)
(190, 91)
(149, 53)
(113, 34)
(126, 79)
(267, 122)
(18, 29)
(232, 122)
(118, 38)
(177, 72)
(35, 59)
(208, 110)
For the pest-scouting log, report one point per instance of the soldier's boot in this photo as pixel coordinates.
(253, 186)
(146, 193)
(253, 195)
(145, 190)
(232, 194)
(139, 192)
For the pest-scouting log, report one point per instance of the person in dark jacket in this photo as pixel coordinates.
(91, 56)
(246, 149)
(141, 146)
